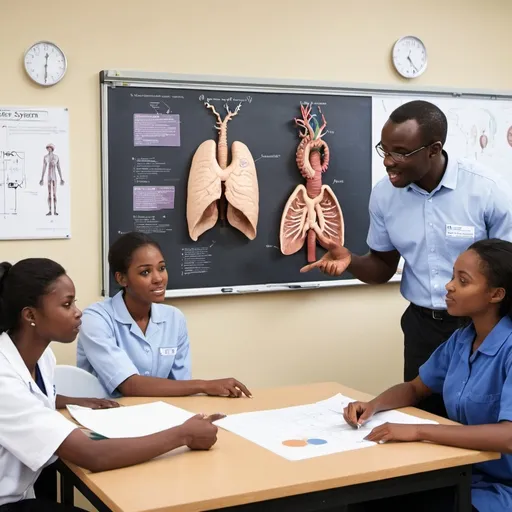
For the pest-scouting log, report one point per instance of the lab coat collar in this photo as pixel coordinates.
(10, 352)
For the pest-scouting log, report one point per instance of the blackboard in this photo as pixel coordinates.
(223, 260)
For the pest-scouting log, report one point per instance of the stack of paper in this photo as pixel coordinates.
(130, 421)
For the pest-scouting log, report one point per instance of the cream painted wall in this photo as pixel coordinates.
(351, 335)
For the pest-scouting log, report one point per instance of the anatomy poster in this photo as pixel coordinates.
(313, 208)
(208, 172)
(34, 173)
(210, 175)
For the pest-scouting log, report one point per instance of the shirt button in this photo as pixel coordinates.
(432, 250)
(146, 349)
(146, 373)
(430, 200)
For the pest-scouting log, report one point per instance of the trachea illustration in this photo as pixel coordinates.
(312, 209)
(212, 183)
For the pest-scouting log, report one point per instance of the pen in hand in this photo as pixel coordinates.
(357, 414)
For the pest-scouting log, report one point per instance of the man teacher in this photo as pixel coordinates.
(428, 210)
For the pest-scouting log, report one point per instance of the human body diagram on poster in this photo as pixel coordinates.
(28, 139)
(51, 163)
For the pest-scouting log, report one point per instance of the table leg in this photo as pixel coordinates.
(67, 489)
(463, 494)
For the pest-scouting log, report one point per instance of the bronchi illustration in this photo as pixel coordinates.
(312, 209)
(216, 189)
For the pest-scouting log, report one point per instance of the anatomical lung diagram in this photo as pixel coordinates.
(312, 209)
(216, 189)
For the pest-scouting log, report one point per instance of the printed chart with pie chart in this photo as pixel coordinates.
(310, 430)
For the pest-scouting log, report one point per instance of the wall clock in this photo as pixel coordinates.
(45, 63)
(409, 56)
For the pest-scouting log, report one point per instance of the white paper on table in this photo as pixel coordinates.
(130, 421)
(318, 429)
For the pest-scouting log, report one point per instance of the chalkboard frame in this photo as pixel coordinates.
(118, 78)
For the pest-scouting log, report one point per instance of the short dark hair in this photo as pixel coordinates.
(496, 258)
(121, 251)
(430, 118)
(23, 285)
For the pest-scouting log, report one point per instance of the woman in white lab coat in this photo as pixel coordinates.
(37, 306)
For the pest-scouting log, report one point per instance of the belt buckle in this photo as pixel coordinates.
(437, 315)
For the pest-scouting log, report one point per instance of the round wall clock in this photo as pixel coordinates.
(409, 56)
(45, 63)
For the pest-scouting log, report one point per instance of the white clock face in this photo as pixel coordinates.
(410, 57)
(45, 63)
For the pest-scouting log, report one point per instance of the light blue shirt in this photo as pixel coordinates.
(430, 230)
(112, 346)
(477, 390)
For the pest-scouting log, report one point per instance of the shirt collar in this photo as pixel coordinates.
(123, 316)
(449, 179)
(495, 339)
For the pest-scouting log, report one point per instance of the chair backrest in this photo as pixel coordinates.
(75, 382)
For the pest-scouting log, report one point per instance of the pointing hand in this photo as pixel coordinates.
(334, 262)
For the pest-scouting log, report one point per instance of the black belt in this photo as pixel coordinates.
(436, 314)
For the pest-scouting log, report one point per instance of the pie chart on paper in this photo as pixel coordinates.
(298, 443)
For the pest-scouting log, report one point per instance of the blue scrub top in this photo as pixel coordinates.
(477, 390)
(112, 346)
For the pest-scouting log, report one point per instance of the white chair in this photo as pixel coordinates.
(77, 383)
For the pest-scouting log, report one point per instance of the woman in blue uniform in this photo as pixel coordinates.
(133, 343)
(472, 370)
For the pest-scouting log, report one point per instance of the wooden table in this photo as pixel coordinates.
(239, 475)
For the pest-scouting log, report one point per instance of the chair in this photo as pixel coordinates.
(77, 383)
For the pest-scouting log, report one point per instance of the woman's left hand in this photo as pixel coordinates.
(94, 403)
(394, 432)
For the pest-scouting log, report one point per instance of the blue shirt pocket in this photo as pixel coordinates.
(482, 409)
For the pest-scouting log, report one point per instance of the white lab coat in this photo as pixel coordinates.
(31, 430)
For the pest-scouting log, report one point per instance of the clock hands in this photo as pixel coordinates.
(412, 63)
(46, 67)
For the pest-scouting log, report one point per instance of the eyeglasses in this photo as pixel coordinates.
(397, 157)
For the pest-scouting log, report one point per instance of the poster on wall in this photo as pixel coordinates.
(34, 173)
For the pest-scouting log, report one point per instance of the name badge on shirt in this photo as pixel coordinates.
(168, 351)
(456, 231)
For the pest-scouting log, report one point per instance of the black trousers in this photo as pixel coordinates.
(46, 484)
(422, 335)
